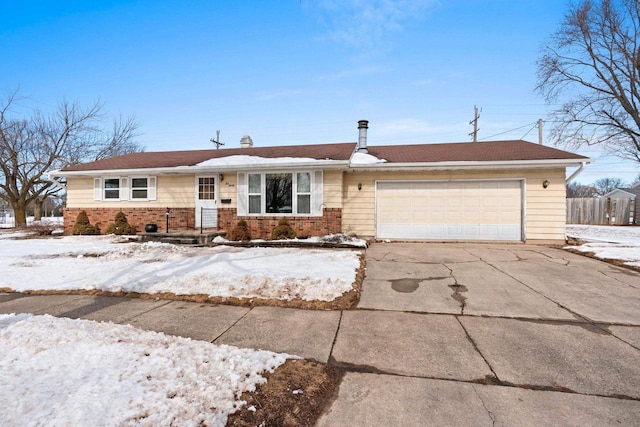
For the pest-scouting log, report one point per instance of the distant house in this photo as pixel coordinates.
(631, 193)
(621, 193)
(489, 191)
(6, 213)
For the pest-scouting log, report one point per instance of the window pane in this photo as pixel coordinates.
(111, 188)
(304, 182)
(254, 183)
(279, 192)
(111, 194)
(304, 204)
(112, 183)
(139, 194)
(206, 188)
(139, 182)
(255, 204)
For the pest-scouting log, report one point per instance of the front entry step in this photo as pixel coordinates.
(182, 238)
(179, 241)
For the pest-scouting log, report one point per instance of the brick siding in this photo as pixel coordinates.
(181, 218)
(260, 227)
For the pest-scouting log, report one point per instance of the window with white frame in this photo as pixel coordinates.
(120, 188)
(285, 193)
(255, 193)
(139, 188)
(111, 188)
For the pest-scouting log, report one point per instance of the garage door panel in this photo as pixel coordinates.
(457, 210)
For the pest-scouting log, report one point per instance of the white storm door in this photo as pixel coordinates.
(207, 201)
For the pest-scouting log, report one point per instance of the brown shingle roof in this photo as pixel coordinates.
(470, 151)
(168, 159)
(419, 153)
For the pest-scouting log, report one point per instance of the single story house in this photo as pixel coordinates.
(484, 191)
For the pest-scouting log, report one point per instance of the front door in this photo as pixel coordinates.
(206, 201)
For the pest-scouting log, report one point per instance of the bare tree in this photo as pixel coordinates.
(32, 146)
(575, 189)
(606, 185)
(593, 59)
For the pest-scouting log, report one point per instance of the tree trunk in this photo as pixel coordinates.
(37, 209)
(20, 214)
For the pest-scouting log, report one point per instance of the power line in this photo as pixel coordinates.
(511, 130)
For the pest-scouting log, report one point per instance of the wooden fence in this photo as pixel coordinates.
(600, 211)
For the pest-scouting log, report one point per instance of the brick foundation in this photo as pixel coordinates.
(260, 227)
(181, 218)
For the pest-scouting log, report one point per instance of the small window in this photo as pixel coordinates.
(206, 188)
(139, 188)
(303, 191)
(112, 188)
(255, 193)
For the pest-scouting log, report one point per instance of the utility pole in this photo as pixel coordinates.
(474, 122)
(540, 123)
(217, 140)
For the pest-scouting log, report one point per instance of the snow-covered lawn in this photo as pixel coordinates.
(61, 372)
(100, 263)
(608, 242)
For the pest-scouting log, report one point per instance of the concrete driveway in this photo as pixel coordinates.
(476, 334)
(444, 335)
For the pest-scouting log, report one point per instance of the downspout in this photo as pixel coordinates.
(576, 172)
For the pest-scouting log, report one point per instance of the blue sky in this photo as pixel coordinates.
(290, 71)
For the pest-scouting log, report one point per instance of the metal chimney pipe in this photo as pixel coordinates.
(363, 125)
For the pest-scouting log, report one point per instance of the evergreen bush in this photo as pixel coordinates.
(240, 233)
(120, 225)
(283, 230)
(83, 226)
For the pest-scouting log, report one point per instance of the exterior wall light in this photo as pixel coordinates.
(545, 183)
(359, 186)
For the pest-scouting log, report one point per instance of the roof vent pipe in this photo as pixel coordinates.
(246, 142)
(363, 125)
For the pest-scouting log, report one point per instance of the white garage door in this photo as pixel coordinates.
(452, 210)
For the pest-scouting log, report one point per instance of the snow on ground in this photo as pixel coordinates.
(9, 221)
(608, 242)
(98, 262)
(85, 373)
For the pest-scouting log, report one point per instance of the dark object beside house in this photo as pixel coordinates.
(151, 228)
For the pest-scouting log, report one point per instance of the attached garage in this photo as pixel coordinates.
(489, 210)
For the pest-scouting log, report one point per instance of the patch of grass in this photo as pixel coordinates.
(296, 394)
(346, 301)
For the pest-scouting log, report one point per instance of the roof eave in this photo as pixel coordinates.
(177, 170)
(470, 165)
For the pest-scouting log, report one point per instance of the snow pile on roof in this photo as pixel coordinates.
(244, 160)
(85, 262)
(365, 159)
(85, 373)
(608, 242)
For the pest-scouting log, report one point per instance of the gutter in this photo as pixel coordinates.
(576, 172)
(319, 164)
(505, 164)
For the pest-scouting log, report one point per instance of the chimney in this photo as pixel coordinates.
(246, 142)
(363, 125)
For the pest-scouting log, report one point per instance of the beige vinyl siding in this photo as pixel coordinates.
(228, 189)
(176, 191)
(332, 189)
(544, 209)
